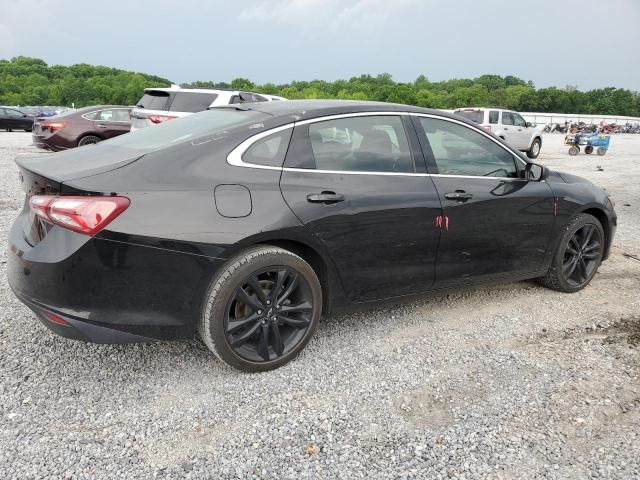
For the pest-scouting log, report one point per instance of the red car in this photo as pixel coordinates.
(81, 127)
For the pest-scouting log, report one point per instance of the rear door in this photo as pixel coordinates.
(495, 224)
(112, 122)
(356, 183)
(4, 119)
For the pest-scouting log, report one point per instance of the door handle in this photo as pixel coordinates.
(505, 128)
(460, 196)
(325, 197)
(102, 125)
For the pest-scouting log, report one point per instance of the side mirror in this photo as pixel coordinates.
(535, 172)
(529, 125)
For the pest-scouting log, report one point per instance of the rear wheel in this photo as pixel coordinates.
(88, 140)
(262, 309)
(534, 151)
(577, 256)
(27, 129)
(601, 151)
(573, 151)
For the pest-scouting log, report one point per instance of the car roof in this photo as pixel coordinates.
(306, 109)
(194, 90)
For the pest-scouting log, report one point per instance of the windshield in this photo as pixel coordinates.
(186, 128)
(473, 115)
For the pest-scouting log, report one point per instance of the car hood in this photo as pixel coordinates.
(562, 177)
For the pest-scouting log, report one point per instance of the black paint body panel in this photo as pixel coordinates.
(144, 277)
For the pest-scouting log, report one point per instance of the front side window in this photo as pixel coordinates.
(361, 144)
(459, 150)
(270, 150)
(13, 113)
(507, 118)
(493, 116)
(519, 121)
(121, 115)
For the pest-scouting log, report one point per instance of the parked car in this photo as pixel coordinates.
(245, 225)
(81, 127)
(158, 105)
(12, 119)
(507, 125)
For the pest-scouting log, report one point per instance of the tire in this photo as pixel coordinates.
(88, 140)
(257, 329)
(534, 151)
(556, 277)
(588, 149)
(601, 151)
(573, 151)
(27, 129)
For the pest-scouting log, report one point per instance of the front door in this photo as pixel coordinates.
(355, 183)
(495, 224)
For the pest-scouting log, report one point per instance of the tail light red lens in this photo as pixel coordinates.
(56, 319)
(160, 118)
(86, 215)
(52, 126)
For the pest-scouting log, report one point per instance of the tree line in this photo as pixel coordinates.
(30, 81)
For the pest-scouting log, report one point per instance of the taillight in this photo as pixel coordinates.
(86, 215)
(160, 118)
(52, 126)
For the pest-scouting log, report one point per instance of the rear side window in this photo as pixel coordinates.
(192, 101)
(493, 116)
(154, 100)
(270, 150)
(361, 144)
(473, 115)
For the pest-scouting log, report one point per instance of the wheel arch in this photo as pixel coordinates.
(88, 134)
(602, 217)
(313, 257)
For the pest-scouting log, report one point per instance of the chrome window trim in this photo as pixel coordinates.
(234, 158)
(104, 109)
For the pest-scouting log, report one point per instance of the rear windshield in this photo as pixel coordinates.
(187, 128)
(473, 115)
(192, 101)
(154, 100)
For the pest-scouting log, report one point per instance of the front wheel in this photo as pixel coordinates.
(261, 309)
(534, 151)
(578, 255)
(573, 151)
(601, 151)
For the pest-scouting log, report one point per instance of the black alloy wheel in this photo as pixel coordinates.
(269, 314)
(261, 308)
(577, 256)
(582, 255)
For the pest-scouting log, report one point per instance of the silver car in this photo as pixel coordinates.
(508, 125)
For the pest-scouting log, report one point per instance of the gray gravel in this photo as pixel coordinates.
(508, 382)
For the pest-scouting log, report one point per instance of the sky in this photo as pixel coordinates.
(586, 43)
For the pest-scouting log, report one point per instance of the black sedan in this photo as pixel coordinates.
(244, 224)
(12, 119)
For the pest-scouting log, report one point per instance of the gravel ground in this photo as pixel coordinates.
(509, 382)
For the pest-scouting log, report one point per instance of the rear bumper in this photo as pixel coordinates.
(108, 291)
